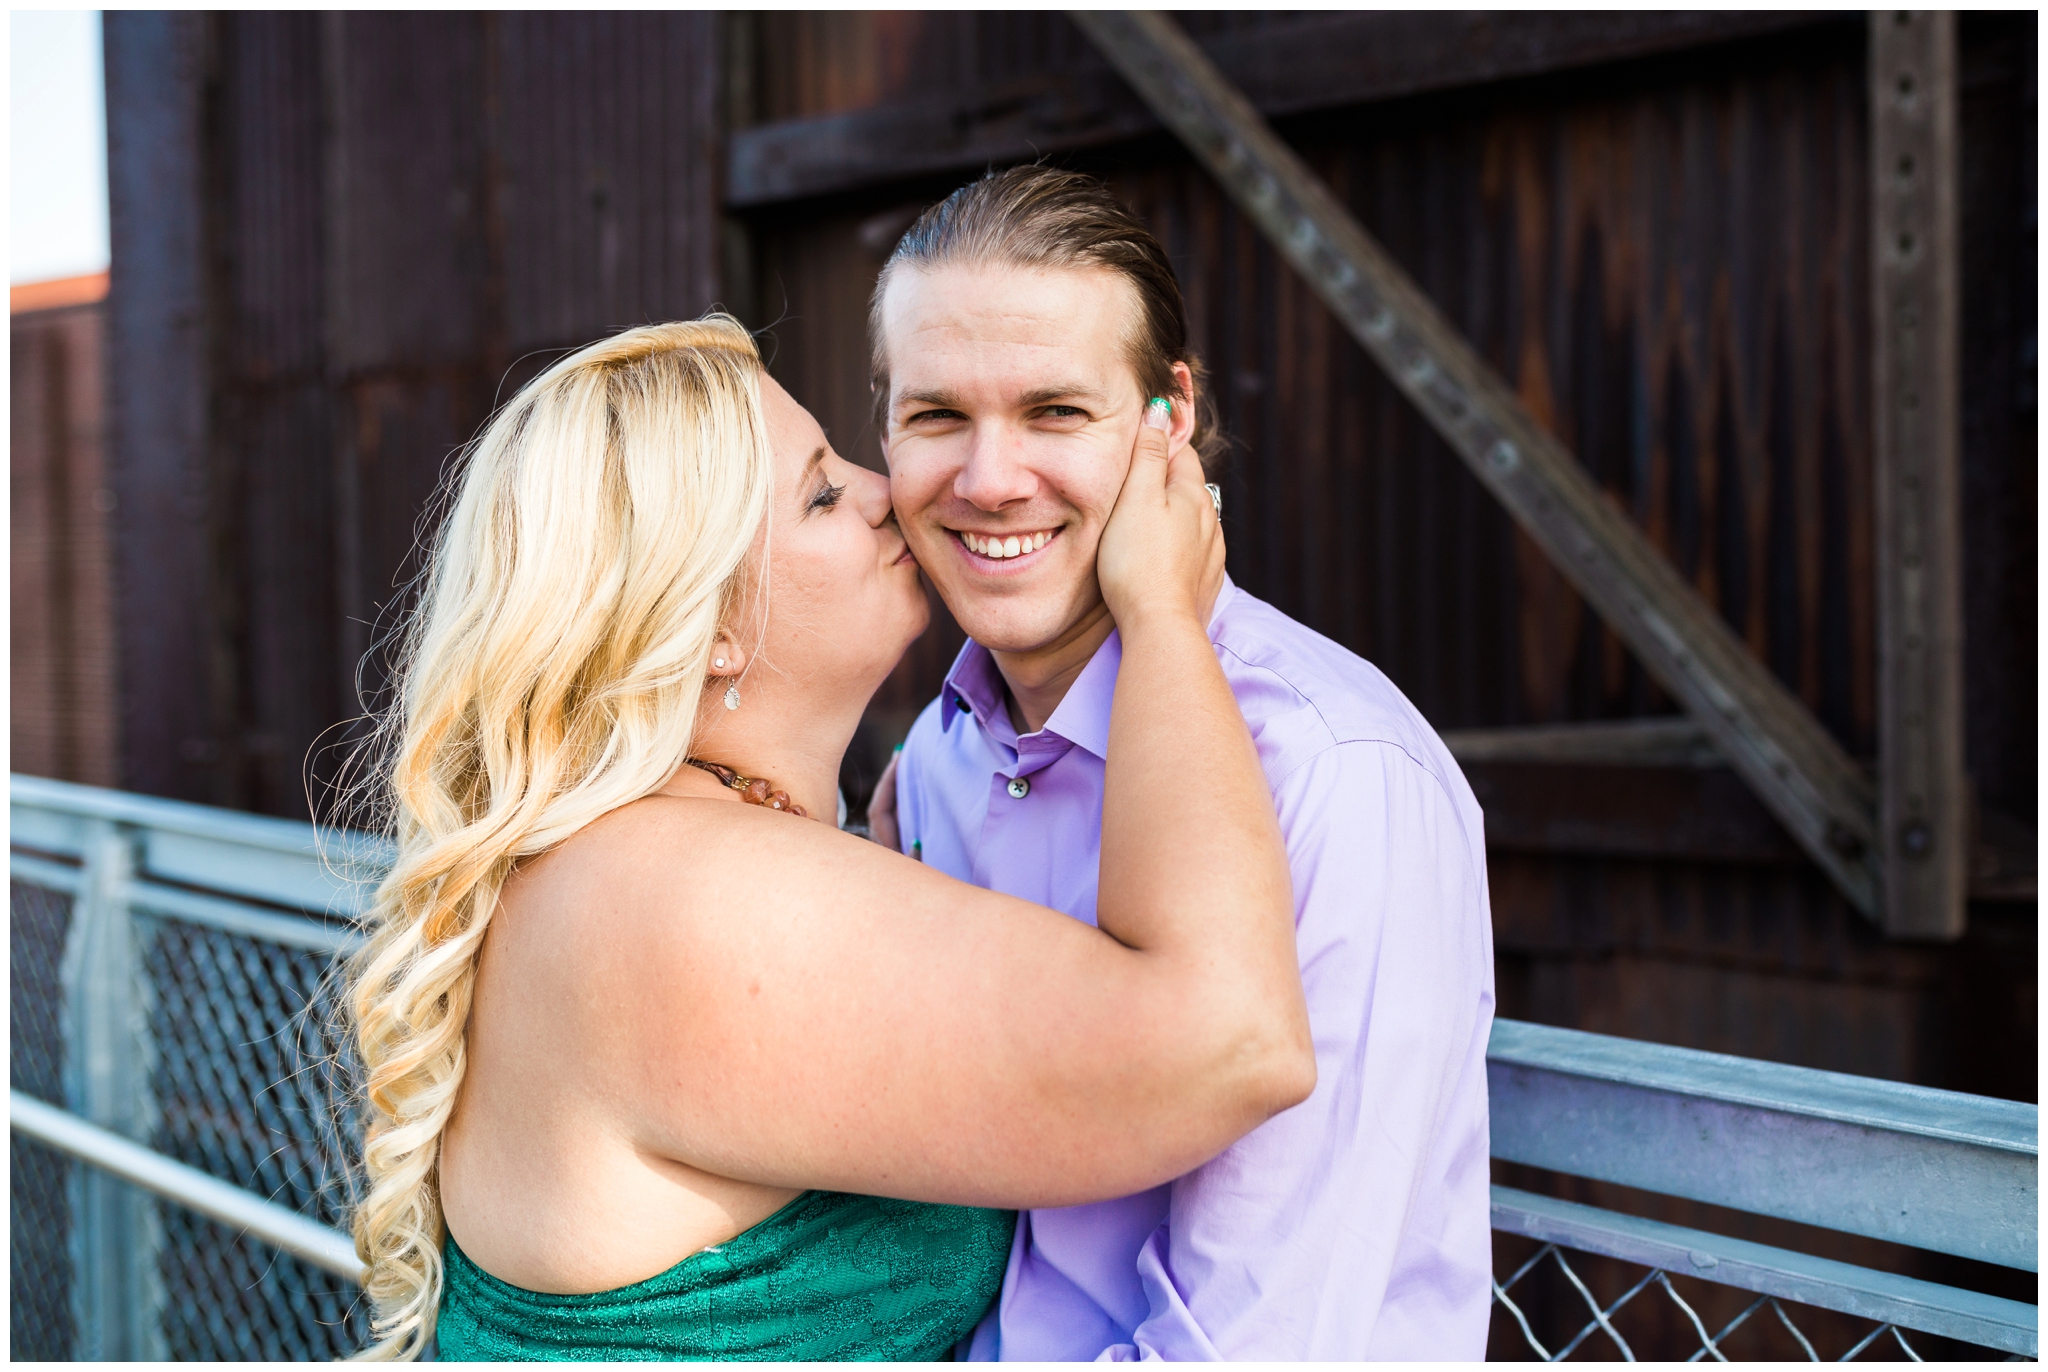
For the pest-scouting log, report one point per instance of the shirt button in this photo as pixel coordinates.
(1019, 788)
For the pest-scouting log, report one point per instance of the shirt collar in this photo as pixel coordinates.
(1082, 716)
(973, 685)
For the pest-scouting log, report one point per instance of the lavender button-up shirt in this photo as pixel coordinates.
(1356, 1224)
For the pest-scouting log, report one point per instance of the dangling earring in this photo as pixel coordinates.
(732, 695)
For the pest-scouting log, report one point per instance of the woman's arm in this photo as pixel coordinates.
(776, 1002)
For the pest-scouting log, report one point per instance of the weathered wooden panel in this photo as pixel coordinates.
(1916, 310)
(338, 234)
(405, 209)
(61, 703)
(1766, 963)
(853, 98)
(1671, 274)
(275, 427)
(2001, 454)
(1669, 259)
(608, 139)
(159, 355)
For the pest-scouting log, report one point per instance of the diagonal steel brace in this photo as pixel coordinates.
(1816, 790)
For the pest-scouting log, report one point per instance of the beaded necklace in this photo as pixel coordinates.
(753, 790)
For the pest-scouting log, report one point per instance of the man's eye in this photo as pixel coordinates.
(935, 417)
(827, 498)
(1062, 412)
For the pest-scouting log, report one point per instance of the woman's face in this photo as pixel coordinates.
(843, 596)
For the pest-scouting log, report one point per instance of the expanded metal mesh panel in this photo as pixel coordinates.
(40, 1324)
(232, 1298)
(251, 1084)
(39, 919)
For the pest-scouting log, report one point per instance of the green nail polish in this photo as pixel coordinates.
(1161, 402)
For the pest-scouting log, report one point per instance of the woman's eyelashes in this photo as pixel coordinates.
(826, 498)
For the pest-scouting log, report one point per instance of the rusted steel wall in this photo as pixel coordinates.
(1669, 269)
(60, 557)
(394, 214)
(379, 223)
(1666, 258)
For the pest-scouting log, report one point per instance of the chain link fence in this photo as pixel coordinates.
(225, 1008)
(1556, 1304)
(246, 1081)
(40, 1320)
(251, 1084)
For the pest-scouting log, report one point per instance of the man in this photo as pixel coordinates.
(1019, 330)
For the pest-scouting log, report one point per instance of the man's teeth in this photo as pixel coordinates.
(1015, 545)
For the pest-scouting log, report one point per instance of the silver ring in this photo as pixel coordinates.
(1215, 496)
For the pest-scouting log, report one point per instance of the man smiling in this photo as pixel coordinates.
(1019, 331)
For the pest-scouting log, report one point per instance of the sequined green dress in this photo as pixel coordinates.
(827, 1277)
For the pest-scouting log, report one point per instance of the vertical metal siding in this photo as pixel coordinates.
(1669, 286)
(386, 212)
(275, 419)
(160, 386)
(607, 145)
(1666, 258)
(61, 664)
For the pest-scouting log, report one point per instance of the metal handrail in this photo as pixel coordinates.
(278, 1225)
(1932, 1169)
(1939, 1170)
(276, 861)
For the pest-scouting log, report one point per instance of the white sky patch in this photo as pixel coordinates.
(57, 184)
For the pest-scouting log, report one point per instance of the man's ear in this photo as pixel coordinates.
(878, 407)
(1183, 430)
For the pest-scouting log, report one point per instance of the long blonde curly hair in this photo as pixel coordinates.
(599, 533)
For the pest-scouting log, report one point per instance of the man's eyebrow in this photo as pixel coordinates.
(1045, 395)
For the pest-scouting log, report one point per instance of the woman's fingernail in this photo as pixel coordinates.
(1159, 414)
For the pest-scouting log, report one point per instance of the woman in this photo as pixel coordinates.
(640, 1055)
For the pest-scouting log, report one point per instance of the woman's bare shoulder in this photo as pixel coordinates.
(664, 847)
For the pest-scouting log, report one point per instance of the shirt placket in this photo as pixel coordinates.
(1014, 836)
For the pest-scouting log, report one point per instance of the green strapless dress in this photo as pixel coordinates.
(827, 1277)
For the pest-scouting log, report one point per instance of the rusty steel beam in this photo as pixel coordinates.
(1317, 62)
(1803, 776)
(1916, 318)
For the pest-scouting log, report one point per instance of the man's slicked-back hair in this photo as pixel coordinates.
(1039, 217)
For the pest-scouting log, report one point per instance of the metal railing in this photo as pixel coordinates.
(171, 990)
(1932, 1170)
(181, 1137)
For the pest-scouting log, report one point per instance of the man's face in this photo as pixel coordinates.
(1011, 416)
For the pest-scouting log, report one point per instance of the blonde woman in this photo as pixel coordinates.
(643, 1058)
